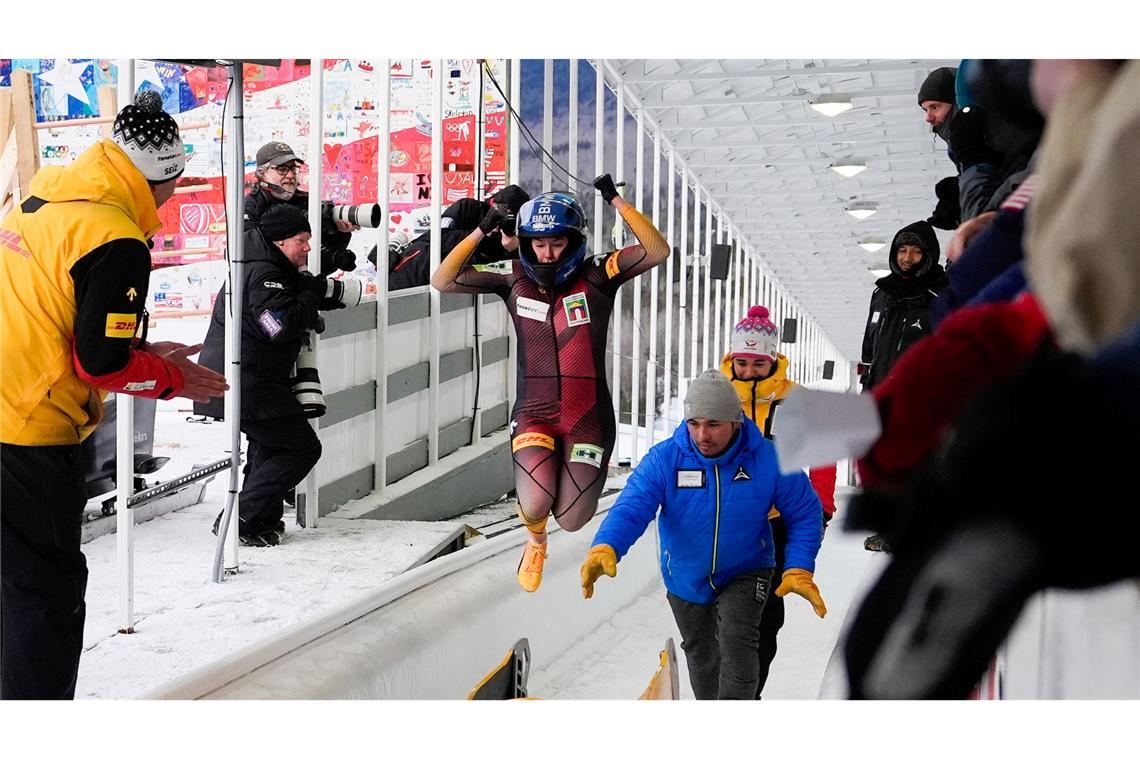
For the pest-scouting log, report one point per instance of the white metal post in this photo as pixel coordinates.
(718, 311)
(599, 169)
(708, 317)
(383, 193)
(635, 355)
(670, 266)
(682, 297)
(547, 121)
(436, 212)
(572, 145)
(514, 171)
(125, 444)
(226, 550)
(316, 162)
(651, 365)
(124, 517)
(619, 176)
(695, 312)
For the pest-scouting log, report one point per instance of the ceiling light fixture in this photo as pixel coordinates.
(831, 105)
(871, 246)
(848, 169)
(862, 211)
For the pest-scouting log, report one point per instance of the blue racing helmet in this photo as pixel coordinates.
(552, 215)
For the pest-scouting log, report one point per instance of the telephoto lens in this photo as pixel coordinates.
(307, 383)
(365, 215)
(347, 292)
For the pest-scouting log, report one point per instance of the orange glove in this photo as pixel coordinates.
(601, 559)
(797, 581)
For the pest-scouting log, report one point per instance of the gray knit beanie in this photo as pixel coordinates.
(712, 397)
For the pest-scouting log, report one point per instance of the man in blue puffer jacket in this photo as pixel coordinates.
(714, 482)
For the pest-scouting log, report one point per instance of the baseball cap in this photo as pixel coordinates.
(275, 154)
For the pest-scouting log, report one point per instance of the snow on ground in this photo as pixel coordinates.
(621, 655)
(183, 620)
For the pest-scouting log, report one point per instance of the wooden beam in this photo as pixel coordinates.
(5, 113)
(108, 106)
(24, 121)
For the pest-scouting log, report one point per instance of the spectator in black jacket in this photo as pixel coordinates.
(900, 305)
(277, 168)
(990, 151)
(280, 307)
(408, 266)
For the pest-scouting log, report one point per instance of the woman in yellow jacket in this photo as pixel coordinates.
(760, 375)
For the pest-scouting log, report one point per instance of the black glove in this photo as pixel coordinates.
(968, 139)
(946, 214)
(310, 283)
(494, 217)
(826, 519)
(605, 185)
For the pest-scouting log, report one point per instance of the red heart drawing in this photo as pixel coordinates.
(332, 155)
(397, 218)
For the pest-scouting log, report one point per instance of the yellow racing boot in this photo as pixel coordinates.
(530, 567)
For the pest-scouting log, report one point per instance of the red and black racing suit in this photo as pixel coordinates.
(562, 425)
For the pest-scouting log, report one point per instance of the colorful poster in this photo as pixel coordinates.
(276, 108)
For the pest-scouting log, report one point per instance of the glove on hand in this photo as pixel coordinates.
(605, 185)
(600, 559)
(800, 582)
(968, 139)
(494, 217)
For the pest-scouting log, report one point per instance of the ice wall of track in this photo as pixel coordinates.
(435, 631)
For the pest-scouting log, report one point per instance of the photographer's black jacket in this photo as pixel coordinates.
(333, 240)
(277, 310)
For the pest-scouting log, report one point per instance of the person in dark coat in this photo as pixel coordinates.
(277, 169)
(409, 266)
(280, 306)
(900, 305)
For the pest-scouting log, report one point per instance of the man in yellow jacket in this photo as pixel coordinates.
(74, 271)
(760, 375)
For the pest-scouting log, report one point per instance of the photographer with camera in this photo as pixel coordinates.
(281, 305)
(277, 169)
(408, 265)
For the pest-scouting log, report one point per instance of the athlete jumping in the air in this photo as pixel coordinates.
(562, 426)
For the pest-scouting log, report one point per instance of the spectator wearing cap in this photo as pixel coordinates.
(946, 102)
(73, 285)
(280, 306)
(277, 171)
(759, 373)
(717, 558)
